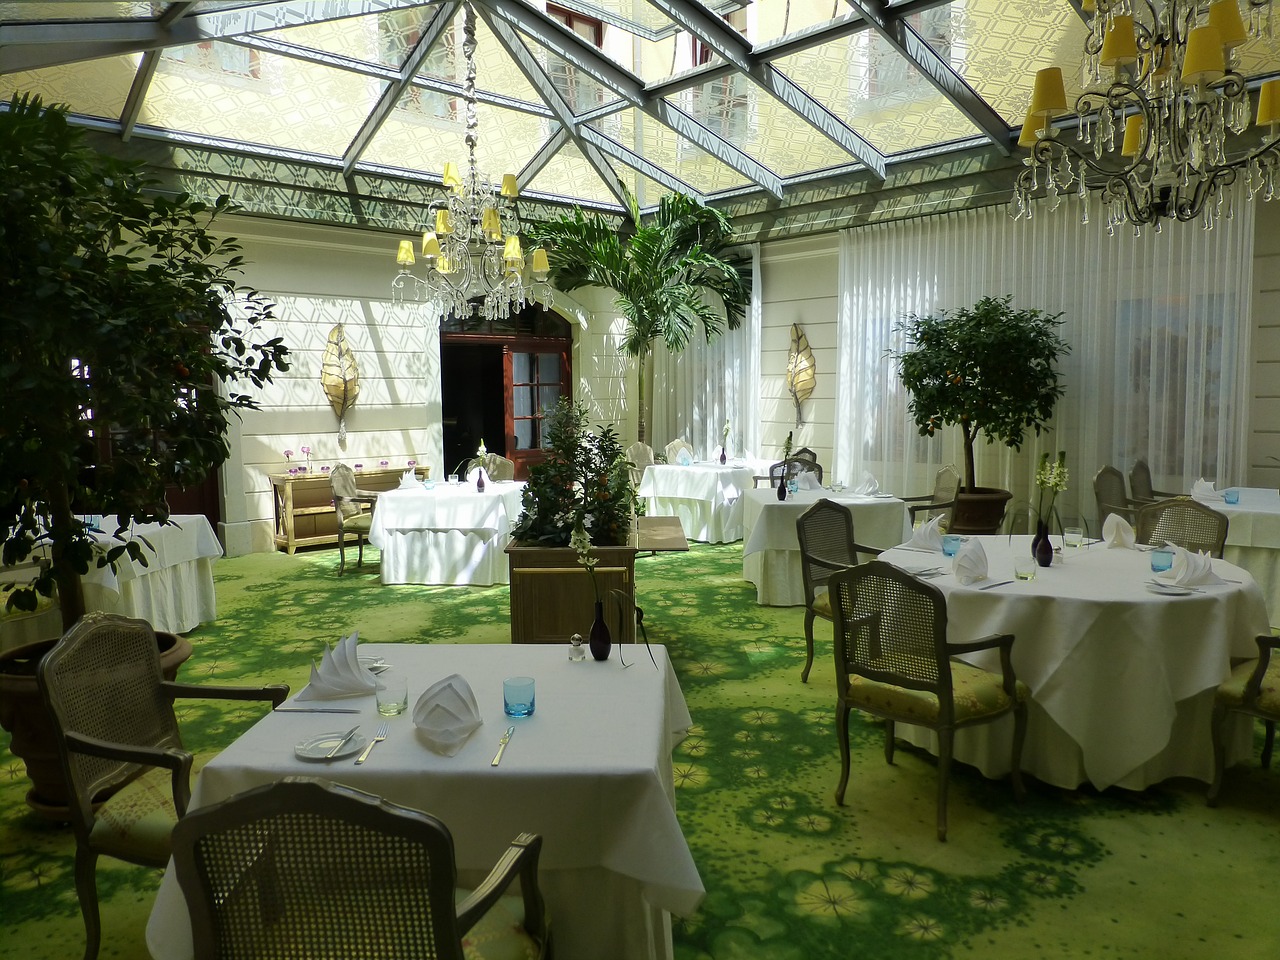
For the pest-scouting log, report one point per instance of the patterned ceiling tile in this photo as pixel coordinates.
(76, 11)
(95, 88)
(768, 21)
(570, 166)
(658, 144)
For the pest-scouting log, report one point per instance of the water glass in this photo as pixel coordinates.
(951, 544)
(1161, 560)
(837, 486)
(1024, 568)
(393, 693)
(454, 478)
(1073, 536)
(1231, 495)
(517, 696)
(793, 486)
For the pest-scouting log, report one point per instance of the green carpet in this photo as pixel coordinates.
(788, 873)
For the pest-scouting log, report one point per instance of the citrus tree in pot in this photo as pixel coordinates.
(125, 331)
(989, 369)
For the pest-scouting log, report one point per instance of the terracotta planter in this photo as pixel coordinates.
(980, 511)
(23, 715)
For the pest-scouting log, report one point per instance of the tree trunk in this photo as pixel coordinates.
(642, 400)
(970, 477)
(70, 590)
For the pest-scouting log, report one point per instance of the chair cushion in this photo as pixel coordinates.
(499, 934)
(822, 606)
(1231, 692)
(360, 523)
(136, 821)
(977, 693)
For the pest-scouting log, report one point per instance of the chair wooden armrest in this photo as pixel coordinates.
(277, 693)
(178, 762)
(1253, 687)
(1129, 512)
(1001, 641)
(861, 548)
(519, 860)
(926, 507)
(755, 481)
(364, 496)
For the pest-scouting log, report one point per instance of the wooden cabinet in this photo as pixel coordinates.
(304, 504)
(552, 599)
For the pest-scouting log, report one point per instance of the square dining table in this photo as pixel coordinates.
(590, 771)
(1122, 673)
(448, 534)
(706, 496)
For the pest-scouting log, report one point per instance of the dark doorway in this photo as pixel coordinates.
(471, 387)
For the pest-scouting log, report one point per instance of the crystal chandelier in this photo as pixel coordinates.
(471, 246)
(1162, 96)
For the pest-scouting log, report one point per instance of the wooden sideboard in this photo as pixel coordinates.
(304, 504)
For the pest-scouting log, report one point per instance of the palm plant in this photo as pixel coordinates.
(661, 273)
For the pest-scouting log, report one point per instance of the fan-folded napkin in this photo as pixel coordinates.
(971, 563)
(869, 486)
(1190, 569)
(1117, 532)
(808, 480)
(339, 674)
(446, 714)
(928, 537)
(409, 481)
(683, 458)
(1204, 489)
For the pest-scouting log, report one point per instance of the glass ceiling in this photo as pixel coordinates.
(721, 99)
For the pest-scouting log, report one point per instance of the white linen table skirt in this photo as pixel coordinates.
(706, 497)
(590, 772)
(771, 550)
(1253, 538)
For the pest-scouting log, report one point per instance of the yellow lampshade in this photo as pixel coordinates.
(1031, 126)
(1049, 98)
(404, 256)
(451, 176)
(427, 237)
(1164, 63)
(1132, 136)
(1120, 45)
(1269, 103)
(512, 255)
(430, 246)
(444, 226)
(509, 188)
(1203, 61)
(540, 265)
(443, 265)
(491, 225)
(1225, 15)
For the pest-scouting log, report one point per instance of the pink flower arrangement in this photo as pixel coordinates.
(306, 450)
(359, 466)
(288, 454)
(413, 463)
(382, 463)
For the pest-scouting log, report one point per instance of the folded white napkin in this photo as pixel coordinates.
(475, 472)
(446, 715)
(1117, 532)
(808, 481)
(339, 674)
(1190, 569)
(409, 481)
(928, 537)
(683, 458)
(869, 486)
(1204, 489)
(971, 562)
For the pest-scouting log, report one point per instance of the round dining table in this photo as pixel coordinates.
(1122, 670)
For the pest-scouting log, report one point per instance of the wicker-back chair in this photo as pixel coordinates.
(305, 868)
(790, 469)
(1109, 493)
(349, 504)
(127, 772)
(496, 466)
(893, 661)
(1183, 522)
(1140, 484)
(827, 544)
(639, 456)
(946, 482)
(1254, 690)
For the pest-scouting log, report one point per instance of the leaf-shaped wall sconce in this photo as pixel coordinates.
(340, 377)
(801, 373)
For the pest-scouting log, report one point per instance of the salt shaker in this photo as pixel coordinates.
(577, 652)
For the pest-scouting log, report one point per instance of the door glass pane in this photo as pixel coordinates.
(548, 367)
(547, 397)
(524, 434)
(522, 401)
(521, 367)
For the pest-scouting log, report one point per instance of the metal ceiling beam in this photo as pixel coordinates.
(640, 165)
(686, 126)
(735, 49)
(894, 30)
(545, 153)
(441, 20)
(138, 92)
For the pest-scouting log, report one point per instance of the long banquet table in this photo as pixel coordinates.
(706, 496)
(590, 771)
(1122, 679)
(771, 550)
(450, 534)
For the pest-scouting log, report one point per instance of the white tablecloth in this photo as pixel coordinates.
(707, 497)
(590, 771)
(771, 551)
(450, 534)
(174, 591)
(1121, 679)
(1253, 538)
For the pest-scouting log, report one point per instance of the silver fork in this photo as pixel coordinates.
(378, 736)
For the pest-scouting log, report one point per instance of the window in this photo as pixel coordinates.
(398, 35)
(888, 72)
(722, 106)
(582, 93)
(224, 58)
(535, 389)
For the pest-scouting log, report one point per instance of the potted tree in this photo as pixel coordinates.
(989, 369)
(662, 273)
(583, 486)
(125, 328)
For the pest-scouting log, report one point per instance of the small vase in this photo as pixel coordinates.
(723, 457)
(782, 489)
(600, 642)
(1041, 547)
(479, 481)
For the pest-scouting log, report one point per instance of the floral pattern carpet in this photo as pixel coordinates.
(789, 875)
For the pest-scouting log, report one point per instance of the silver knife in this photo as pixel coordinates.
(343, 742)
(502, 745)
(992, 586)
(316, 710)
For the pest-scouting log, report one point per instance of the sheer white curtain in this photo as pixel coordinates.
(696, 392)
(1158, 327)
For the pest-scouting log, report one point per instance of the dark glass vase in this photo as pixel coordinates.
(782, 489)
(479, 481)
(600, 643)
(723, 456)
(1041, 547)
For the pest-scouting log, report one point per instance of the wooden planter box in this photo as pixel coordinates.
(552, 599)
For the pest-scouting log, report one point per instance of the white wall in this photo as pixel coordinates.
(1264, 375)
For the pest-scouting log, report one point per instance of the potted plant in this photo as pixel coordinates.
(125, 327)
(662, 273)
(583, 485)
(989, 369)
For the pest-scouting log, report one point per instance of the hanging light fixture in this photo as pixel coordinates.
(471, 246)
(1162, 96)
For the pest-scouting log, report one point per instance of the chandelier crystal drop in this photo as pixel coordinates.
(471, 243)
(1163, 122)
